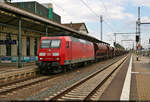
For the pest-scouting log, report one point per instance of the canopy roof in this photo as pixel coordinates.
(9, 16)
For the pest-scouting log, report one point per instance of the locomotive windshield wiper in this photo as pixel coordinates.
(50, 43)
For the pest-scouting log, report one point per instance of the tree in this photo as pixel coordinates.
(116, 45)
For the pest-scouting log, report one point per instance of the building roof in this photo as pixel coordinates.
(10, 16)
(76, 26)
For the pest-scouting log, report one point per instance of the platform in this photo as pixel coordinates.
(8, 67)
(132, 82)
(11, 69)
(140, 83)
(12, 73)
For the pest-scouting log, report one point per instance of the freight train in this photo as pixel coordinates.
(60, 53)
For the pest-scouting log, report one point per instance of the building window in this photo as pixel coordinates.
(22, 5)
(28, 46)
(8, 46)
(35, 46)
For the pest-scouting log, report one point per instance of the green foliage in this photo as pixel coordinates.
(116, 45)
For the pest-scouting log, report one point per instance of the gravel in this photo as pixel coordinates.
(47, 88)
(61, 85)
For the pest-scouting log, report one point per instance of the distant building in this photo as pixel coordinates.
(81, 27)
(44, 10)
(5, 0)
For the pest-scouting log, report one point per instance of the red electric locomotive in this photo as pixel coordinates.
(55, 53)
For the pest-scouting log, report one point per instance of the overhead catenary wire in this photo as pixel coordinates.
(59, 7)
(96, 14)
(109, 26)
(89, 8)
(107, 17)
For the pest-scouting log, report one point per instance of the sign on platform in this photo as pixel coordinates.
(7, 42)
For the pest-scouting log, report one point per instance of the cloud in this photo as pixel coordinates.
(112, 11)
(140, 2)
(145, 19)
(76, 11)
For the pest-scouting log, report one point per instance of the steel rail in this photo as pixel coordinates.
(75, 85)
(98, 86)
(14, 86)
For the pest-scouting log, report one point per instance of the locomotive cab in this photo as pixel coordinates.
(52, 53)
(49, 54)
(50, 50)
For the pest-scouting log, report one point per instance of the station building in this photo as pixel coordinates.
(9, 50)
(9, 45)
(30, 39)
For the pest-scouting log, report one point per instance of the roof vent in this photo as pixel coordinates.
(48, 5)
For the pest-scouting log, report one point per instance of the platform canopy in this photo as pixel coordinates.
(9, 16)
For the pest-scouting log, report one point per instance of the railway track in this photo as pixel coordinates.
(86, 88)
(14, 86)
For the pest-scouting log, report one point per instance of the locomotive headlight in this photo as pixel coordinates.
(42, 54)
(41, 58)
(55, 54)
(57, 59)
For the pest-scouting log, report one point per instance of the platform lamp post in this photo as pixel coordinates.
(19, 45)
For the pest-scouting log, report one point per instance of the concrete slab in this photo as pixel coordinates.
(140, 88)
(9, 67)
(114, 90)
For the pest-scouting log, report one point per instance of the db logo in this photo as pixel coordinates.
(49, 54)
(49, 50)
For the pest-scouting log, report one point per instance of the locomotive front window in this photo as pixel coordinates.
(50, 43)
(55, 43)
(45, 43)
